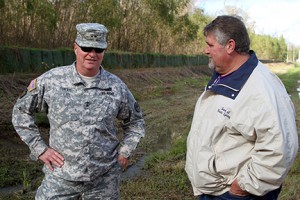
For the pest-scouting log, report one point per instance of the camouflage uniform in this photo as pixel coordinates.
(81, 121)
(104, 187)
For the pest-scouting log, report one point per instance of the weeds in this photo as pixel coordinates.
(168, 180)
(291, 187)
(168, 102)
(26, 181)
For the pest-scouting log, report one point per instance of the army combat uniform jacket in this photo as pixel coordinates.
(81, 121)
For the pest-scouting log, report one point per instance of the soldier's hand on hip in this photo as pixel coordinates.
(123, 161)
(51, 157)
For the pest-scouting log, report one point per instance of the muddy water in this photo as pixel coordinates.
(11, 189)
(162, 143)
(133, 171)
(130, 173)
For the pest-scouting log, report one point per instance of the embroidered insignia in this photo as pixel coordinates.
(137, 107)
(32, 85)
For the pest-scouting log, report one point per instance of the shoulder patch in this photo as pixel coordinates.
(137, 107)
(32, 85)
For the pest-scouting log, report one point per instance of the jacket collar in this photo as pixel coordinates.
(231, 84)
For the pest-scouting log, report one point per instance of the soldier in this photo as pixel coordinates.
(82, 101)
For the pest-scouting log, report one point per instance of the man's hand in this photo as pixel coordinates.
(51, 157)
(123, 161)
(236, 190)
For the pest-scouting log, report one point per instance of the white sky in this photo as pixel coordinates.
(271, 17)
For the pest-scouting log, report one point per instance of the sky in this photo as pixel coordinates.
(271, 17)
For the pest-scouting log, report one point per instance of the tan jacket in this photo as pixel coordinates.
(252, 138)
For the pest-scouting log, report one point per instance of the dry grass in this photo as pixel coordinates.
(280, 68)
(167, 97)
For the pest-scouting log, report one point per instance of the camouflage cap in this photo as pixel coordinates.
(91, 35)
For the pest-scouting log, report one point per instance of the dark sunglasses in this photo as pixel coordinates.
(89, 49)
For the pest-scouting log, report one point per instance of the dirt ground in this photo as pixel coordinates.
(154, 88)
(145, 83)
(11, 86)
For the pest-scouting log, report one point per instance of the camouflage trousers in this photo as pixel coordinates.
(105, 187)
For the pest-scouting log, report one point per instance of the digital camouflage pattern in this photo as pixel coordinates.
(81, 121)
(91, 35)
(106, 187)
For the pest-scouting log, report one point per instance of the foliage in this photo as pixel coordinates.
(168, 114)
(156, 26)
(291, 188)
(269, 48)
(134, 26)
(18, 172)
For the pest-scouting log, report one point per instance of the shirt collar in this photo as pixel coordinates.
(76, 79)
(231, 84)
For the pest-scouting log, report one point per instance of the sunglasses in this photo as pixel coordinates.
(89, 49)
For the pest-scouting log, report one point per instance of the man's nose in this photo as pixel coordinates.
(93, 52)
(206, 50)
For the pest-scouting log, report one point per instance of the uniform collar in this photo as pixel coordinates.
(76, 79)
(231, 84)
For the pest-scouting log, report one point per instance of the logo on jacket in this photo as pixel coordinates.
(226, 112)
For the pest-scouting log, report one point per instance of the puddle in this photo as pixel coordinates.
(134, 170)
(10, 190)
(131, 172)
(163, 143)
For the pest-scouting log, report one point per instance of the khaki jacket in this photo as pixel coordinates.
(251, 137)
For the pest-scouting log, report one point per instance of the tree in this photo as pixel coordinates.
(157, 26)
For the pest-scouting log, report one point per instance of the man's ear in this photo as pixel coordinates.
(75, 48)
(230, 47)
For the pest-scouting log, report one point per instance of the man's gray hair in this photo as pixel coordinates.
(228, 27)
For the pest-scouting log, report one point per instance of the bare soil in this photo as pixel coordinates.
(167, 97)
(147, 84)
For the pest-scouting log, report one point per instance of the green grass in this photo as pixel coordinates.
(16, 172)
(167, 178)
(168, 108)
(291, 187)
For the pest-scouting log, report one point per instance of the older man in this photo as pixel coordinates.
(243, 138)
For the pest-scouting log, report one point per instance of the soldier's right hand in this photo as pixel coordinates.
(51, 157)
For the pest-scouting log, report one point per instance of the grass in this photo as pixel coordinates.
(168, 180)
(291, 187)
(13, 167)
(168, 103)
(158, 92)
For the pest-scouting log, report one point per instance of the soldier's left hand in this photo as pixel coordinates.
(123, 161)
(51, 157)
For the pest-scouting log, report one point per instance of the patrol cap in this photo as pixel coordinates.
(91, 35)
